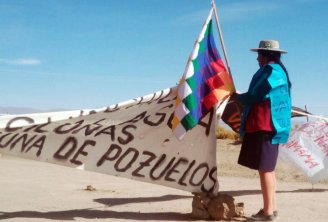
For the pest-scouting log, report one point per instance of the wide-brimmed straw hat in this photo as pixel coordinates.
(269, 45)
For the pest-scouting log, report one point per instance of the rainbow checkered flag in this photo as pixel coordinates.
(204, 83)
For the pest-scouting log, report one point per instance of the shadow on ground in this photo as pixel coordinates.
(127, 200)
(256, 192)
(107, 214)
(97, 214)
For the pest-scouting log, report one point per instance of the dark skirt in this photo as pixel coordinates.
(257, 152)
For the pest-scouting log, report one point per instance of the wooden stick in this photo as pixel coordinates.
(221, 37)
(307, 117)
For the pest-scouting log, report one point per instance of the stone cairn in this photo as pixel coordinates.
(216, 207)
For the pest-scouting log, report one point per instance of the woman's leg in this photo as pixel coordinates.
(274, 192)
(268, 181)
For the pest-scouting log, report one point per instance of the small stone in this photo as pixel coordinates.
(90, 188)
(240, 209)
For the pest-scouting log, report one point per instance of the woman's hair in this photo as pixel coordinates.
(275, 56)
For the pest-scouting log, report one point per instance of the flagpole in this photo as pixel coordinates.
(221, 37)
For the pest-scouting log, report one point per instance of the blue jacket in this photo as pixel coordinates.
(270, 82)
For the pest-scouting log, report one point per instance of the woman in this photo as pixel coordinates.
(266, 122)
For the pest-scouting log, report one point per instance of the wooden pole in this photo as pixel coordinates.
(221, 37)
(307, 120)
(307, 117)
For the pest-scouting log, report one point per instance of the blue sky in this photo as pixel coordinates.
(74, 54)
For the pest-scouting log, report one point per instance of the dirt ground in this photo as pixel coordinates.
(36, 191)
(227, 156)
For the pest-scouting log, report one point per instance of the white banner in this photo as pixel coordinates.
(307, 148)
(131, 139)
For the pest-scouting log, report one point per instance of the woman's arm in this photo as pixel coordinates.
(261, 88)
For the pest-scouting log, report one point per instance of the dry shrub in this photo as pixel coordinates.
(296, 126)
(222, 133)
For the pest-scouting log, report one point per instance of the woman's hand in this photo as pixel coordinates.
(233, 96)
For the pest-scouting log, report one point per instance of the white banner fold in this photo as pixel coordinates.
(132, 139)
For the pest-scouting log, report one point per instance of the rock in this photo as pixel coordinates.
(219, 207)
(222, 207)
(90, 188)
(199, 210)
(240, 209)
(200, 214)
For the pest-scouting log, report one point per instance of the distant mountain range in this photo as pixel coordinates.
(24, 110)
(27, 110)
(17, 110)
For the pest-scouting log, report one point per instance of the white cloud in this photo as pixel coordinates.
(242, 10)
(23, 61)
(192, 18)
(232, 11)
(307, 1)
